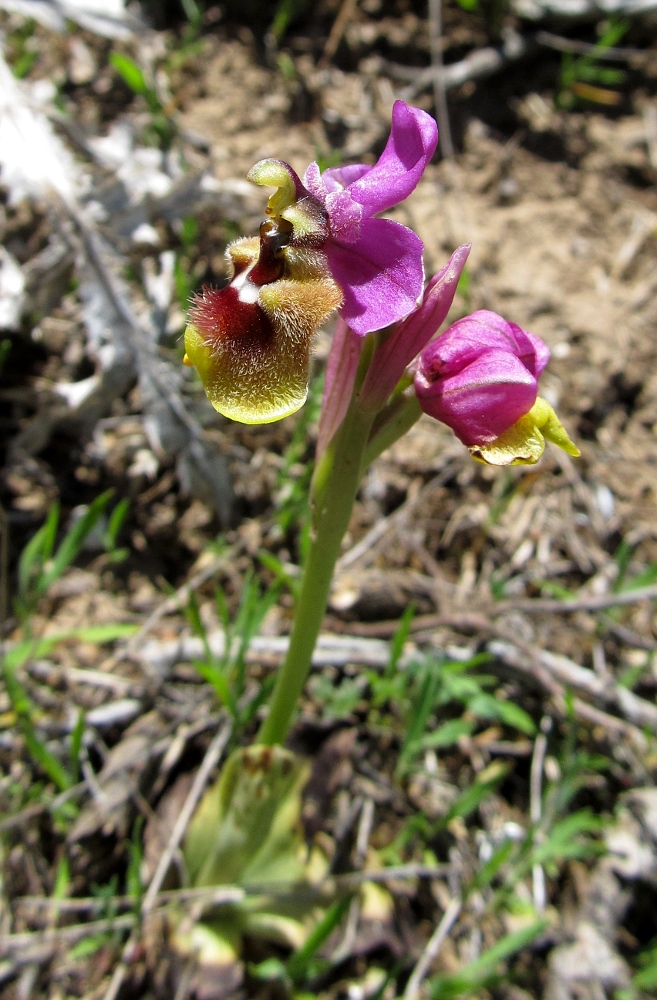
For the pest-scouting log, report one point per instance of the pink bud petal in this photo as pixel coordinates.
(480, 376)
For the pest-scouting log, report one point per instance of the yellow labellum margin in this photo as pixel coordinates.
(524, 443)
(250, 342)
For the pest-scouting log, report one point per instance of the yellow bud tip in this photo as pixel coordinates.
(187, 360)
(551, 427)
(524, 443)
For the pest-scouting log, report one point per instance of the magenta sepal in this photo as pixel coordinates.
(341, 368)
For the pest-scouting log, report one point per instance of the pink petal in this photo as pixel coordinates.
(345, 216)
(411, 144)
(409, 338)
(381, 275)
(314, 182)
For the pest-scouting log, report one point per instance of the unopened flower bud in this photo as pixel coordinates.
(480, 378)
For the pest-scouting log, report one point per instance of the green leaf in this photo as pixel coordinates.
(271, 970)
(101, 633)
(246, 830)
(447, 734)
(18, 696)
(298, 965)
(115, 523)
(89, 946)
(133, 882)
(576, 836)
(418, 718)
(646, 578)
(192, 12)
(477, 973)
(38, 648)
(485, 706)
(487, 873)
(37, 550)
(130, 72)
(622, 555)
(212, 673)
(472, 796)
(62, 879)
(73, 541)
(45, 759)
(287, 12)
(646, 979)
(278, 569)
(399, 638)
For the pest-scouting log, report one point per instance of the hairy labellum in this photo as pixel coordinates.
(251, 341)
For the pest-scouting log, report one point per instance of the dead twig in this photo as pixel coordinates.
(535, 806)
(477, 65)
(345, 947)
(225, 895)
(541, 605)
(212, 896)
(553, 672)
(352, 879)
(29, 946)
(439, 85)
(570, 675)
(650, 126)
(212, 756)
(434, 944)
(343, 18)
(529, 605)
(551, 41)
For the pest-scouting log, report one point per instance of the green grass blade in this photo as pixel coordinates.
(73, 541)
(130, 72)
(476, 974)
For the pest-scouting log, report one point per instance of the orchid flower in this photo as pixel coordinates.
(480, 378)
(319, 250)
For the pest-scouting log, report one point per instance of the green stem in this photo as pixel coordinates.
(391, 424)
(335, 504)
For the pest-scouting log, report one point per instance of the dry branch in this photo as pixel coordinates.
(477, 65)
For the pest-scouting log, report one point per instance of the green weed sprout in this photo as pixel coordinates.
(162, 128)
(587, 78)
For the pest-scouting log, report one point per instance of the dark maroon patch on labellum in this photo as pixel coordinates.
(219, 316)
